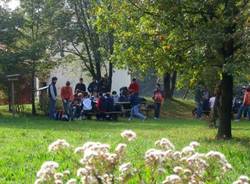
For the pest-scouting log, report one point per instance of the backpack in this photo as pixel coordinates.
(158, 97)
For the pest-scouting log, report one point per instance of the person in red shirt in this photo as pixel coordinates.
(158, 98)
(67, 97)
(245, 105)
(134, 86)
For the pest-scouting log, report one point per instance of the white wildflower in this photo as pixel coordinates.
(79, 150)
(178, 170)
(188, 150)
(125, 168)
(154, 156)
(172, 179)
(161, 170)
(111, 158)
(216, 154)
(58, 182)
(58, 145)
(47, 170)
(72, 181)
(82, 172)
(89, 180)
(120, 149)
(194, 144)
(107, 178)
(187, 172)
(66, 173)
(176, 155)
(38, 181)
(164, 143)
(58, 176)
(129, 134)
(244, 178)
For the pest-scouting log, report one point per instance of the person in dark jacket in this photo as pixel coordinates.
(135, 104)
(103, 85)
(93, 86)
(52, 98)
(80, 87)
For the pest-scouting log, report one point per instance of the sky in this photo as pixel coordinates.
(13, 4)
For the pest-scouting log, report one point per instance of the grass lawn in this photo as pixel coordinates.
(24, 142)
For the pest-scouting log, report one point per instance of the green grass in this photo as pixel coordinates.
(24, 142)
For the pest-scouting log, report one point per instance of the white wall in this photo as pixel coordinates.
(73, 71)
(120, 79)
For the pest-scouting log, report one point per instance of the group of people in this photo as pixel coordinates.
(206, 103)
(97, 99)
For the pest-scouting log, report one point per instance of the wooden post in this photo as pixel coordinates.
(12, 79)
(13, 98)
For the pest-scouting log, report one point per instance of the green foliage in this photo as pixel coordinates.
(188, 36)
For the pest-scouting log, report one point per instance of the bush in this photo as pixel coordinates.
(44, 104)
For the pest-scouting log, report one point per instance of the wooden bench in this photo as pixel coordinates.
(116, 113)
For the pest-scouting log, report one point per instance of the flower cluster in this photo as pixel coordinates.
(46, 172)
(58, 145)
(189, 165)
(165, 144)
(242, 180)
(98, 163)
(129, 134)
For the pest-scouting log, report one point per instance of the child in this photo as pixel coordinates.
(86, 104)
(77, 105)
(158, 98)
(115, 96)
(100, 105)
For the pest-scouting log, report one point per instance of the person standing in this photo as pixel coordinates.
(245, 105)
(67, 97)
(93, 86)
(80, 87)
(158, 98)
(134, 86)
(52, 98)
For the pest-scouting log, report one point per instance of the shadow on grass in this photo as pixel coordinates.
(43, 123)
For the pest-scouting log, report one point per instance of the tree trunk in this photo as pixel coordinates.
(169, 82)
(173, 83)
(224, 130)
(166, 83)
(111, 50)
(33, 90)
(9, 98)
(110, 76)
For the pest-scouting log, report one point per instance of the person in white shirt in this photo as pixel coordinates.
(211, 102)
(86, 104)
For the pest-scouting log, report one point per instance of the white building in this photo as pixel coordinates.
(73, 71)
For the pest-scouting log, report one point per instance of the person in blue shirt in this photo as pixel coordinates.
(135, 107)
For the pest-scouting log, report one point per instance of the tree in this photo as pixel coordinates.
(188, 37)
(77, 35)
(35, 39)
